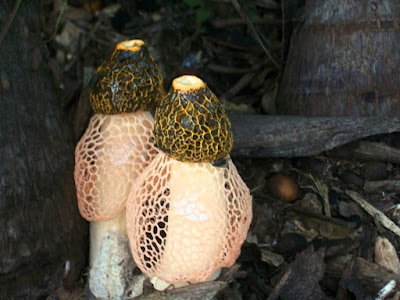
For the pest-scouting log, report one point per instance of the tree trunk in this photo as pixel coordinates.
(43, 239)
(344, 60)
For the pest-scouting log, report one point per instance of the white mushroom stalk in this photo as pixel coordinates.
(116, 147)
(187, 217)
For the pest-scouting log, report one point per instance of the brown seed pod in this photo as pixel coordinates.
(283, 187)
(127, 81)
(191, 124)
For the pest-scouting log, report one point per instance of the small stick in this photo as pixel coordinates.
(254, 49)
(253, 30)
(309, 214)
(386, 290)
(275, 294)
(322, 190)
(9, 20)
(376, 214)
(233, 22)
(379, 185)
(58, 21)
(241, 84)
(368, 151)
(232, 70)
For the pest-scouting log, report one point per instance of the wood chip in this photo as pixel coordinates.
(372, 276)
(378, 216)
(271, 258)
(386, 290)
(386, 255)
(301, 280)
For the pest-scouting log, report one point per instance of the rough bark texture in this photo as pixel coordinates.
(41, 231)
(372, 276)
(344, 59)
(291, 136)
(301, 280)
(367, 151)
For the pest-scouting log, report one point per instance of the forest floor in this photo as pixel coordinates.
(312, 235)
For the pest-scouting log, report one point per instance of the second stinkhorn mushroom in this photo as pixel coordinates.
(115, 149)
(187, 218)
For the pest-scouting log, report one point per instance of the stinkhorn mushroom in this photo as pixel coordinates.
(187, 217)
(116, 147)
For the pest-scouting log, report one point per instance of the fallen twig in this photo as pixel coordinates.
(222, 23)
(58, 21)
(300, 281)
(368, 151)
(322, 190)
(375, 213)
(372, 276)
(291, 136)
(349, 226)
(382, 185)
(232, 70)
(386, 290)
(240, 10)
(9, 20)
(238, 86)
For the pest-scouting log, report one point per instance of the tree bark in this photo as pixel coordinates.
(344, 60)
(291, 136)
(43, 239)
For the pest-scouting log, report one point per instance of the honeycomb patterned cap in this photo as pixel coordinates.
(191, 124)
(185, 221)
(127, 81)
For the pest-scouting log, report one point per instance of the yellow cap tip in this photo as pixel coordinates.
(131, 45)
(188, 82)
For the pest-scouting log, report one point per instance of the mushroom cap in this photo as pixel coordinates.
(111, 154)
(191, 124)
(187, 220)
(127, 81)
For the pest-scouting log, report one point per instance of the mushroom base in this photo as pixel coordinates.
(111, 262)
(100, 231)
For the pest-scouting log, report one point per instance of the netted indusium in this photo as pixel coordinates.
(186, 220)
(115, 149)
